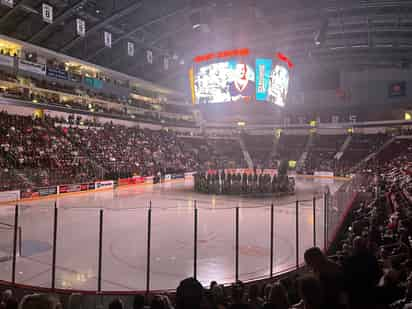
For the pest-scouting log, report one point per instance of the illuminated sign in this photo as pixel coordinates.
(223, 54)
(285, 59)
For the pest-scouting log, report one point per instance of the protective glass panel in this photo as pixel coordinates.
(305, 227)
(6, 241)
(34, 266)
(171, 246)
(77, 268)
(285, 237)
(216, 245)
(254, 243)
(124, 250)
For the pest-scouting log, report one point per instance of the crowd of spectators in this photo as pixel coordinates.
(53, 151)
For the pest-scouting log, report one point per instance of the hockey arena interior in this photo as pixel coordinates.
(198, 154)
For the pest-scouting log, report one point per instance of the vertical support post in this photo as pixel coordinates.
(314, 221)
(99, 274)
(53, 277)
(325, 222)
(297, 234)
(16, 223)
(195, 243)
(149, 235)
(271, 239)
(20, 242)
(237, 245)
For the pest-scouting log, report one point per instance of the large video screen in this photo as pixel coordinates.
(226, 81)
(241, 79)
(272, 81)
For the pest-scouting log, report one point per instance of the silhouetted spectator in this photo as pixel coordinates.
(278, 298)
(138, 302)
(310, 291)
(329, 274)
(116, 304)
(254, 300)
(362, 274)
(40, 301)
(11, 303)
(238, 301)
(189, 294)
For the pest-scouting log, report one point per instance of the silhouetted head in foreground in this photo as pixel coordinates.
(189, 294)
(315, 258)
(40, 301)
(310, 291)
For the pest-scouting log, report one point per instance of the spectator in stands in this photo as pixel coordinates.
(407, 300)
(189, 294)
(216, 295)
(390, 291)
(75, 301)
(362, 274)
(11, 303)
(254, 300)
(158, 302)
(238, 301)
(310, 291)
(116, 304)
(266, 292)
(5, 296)
(138, 302)
(278, 298)
(40, 301)
(329, 274)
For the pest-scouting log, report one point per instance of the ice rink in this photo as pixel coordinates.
(125, 236)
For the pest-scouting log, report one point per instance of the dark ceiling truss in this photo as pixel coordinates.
(129, 34)
(151, 45)
(19, 6)
(48, 29)
(101, 25)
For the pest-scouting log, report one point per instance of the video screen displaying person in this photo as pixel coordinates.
(221, 82)
(241, 87)
(278, 85)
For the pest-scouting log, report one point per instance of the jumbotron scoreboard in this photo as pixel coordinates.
(238, 75)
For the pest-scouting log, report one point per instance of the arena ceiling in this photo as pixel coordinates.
(338, 33)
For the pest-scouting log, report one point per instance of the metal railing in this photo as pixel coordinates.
(114, 251)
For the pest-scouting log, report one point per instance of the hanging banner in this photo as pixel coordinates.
(108, 39)
(47, 13)
(33, 67)
(80, 27)
(130, 49)
(9, 3)
(166, 63)
(149, 56)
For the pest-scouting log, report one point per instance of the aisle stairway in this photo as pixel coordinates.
(246, 153)
(302, 159)
(373, 154)
(344, 146)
